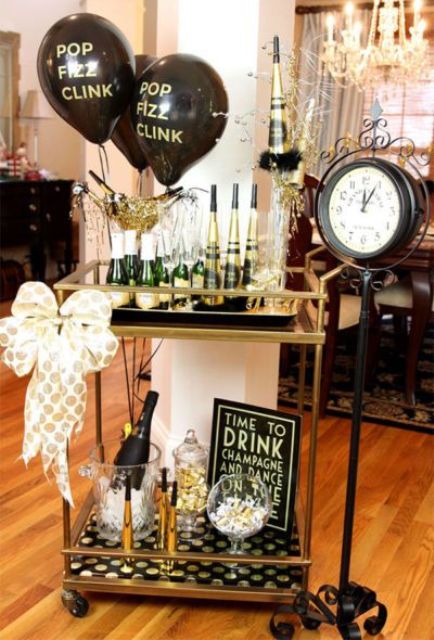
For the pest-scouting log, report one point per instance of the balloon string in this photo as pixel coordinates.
(103, 158)
(140, 183)
(127, 380)
(133, 380)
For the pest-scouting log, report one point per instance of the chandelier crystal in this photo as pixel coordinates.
(390, 55)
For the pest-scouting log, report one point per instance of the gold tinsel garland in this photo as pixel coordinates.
(134, 212)
(127, 212)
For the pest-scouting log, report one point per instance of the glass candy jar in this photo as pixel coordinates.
(191, 458)
(239, 506)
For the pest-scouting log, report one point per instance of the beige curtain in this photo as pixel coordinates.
(339, 108)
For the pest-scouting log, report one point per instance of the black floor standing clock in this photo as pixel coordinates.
(367, 208)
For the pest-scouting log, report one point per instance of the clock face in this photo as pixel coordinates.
(364, 210)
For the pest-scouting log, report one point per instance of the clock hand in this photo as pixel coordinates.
(367, 200)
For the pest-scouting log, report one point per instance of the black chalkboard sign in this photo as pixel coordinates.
(262, 442)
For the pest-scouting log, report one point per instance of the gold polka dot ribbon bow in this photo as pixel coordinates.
(61, 346)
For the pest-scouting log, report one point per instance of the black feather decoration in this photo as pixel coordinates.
(288, 161)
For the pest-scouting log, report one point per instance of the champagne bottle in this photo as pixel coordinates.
(117, 274)
(212, 274)
(296, 177)
(131, 259)
(111, 198)
(145, 277)
(197, 274)
(104, 186)
(278, 141)
(180, 277)
(135, 449)
(251, 256)
(161, 274)
(233, 260)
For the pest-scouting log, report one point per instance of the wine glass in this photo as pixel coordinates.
(239, 506)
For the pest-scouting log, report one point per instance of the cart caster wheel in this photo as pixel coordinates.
(75, 603)
(310, 624)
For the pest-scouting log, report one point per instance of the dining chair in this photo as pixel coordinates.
(400, 299)
(412, 298)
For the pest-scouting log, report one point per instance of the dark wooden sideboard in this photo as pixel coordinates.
(36, 215)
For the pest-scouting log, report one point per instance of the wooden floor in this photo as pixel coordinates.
(392, 551)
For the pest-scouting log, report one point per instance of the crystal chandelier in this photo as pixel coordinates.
(389, 57)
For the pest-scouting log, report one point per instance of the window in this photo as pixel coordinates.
(409, 111)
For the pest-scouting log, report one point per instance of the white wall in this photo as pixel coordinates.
(59, 144)
(225, 34)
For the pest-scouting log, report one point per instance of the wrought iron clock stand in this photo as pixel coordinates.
(341, 606)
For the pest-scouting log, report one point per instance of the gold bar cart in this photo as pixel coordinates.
(306, 329)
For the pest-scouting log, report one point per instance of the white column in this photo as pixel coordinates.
(229, 35)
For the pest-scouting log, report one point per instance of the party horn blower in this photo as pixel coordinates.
(279, 154)
(251, 255)
(172, 533)
(212, 276)
(127, 539)
(233, 260)
(278, 134)
(163, 512)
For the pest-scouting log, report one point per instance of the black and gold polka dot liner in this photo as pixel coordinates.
(203, 538)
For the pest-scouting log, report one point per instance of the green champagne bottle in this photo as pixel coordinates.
(212, 274)
(131, 259)
(117, 274)
(145, 277)
(197, 274)
(180, 278)
(161, 274)
(251, 256)
(233, 261)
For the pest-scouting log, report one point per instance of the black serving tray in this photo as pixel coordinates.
(241, 319)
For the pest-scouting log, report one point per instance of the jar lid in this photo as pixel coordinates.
(191, 449)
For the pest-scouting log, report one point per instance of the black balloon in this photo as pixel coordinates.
(179, 112)
(86, 71)
(124, 135)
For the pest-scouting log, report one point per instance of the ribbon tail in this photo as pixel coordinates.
(32, 436)
(61, 475)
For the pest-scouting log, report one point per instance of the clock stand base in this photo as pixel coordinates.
(350, 599)
(335, 607)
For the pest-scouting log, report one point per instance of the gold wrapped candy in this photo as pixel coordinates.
(191, 460)
(237, 517)
(192, 489)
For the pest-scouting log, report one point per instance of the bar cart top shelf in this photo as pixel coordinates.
(301, 323)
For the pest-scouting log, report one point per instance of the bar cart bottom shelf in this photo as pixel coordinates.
(257, 581)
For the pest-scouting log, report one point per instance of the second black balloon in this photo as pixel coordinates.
(179, 110)
(124, 135)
